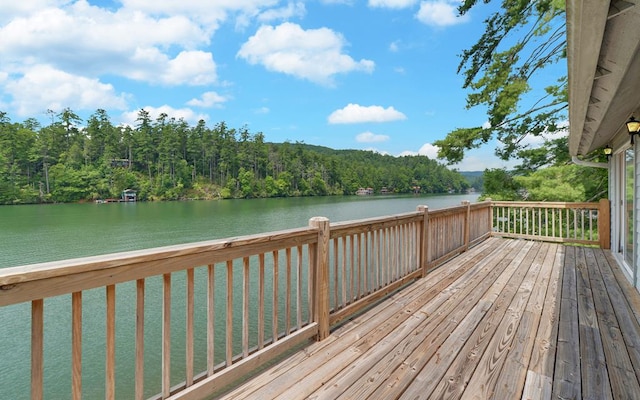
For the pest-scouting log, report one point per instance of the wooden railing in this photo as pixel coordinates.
(198, 317)
(578, 223)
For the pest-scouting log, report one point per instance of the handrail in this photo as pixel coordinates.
(244, 301)
(575, 223)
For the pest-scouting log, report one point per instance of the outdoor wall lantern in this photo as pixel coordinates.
(607, 152)
(633, 127)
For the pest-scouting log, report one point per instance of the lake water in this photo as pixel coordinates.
(39, 233)
(34, 234)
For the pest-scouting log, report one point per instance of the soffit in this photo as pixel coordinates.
(603, 40)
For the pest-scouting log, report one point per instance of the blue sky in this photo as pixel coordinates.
(377, 75)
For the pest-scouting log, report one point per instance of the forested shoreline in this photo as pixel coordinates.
(71, 160)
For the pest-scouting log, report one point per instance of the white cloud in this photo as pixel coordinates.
(314, 54)
(396, 4)
(207, 12)
(427, 149)
(43, 87)
(208, 100)
(191, 68)
(129, 118)
(263, 110)
(440, 13)
(370, 137)
(80, 39)
(355, 113)
(346, 2)
(292, 10)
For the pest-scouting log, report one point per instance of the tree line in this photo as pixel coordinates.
(70, 160)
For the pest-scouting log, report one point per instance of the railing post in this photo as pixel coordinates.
(424, 240)
(604, 224)
(320, 270)
(490, 202)
(467, 221)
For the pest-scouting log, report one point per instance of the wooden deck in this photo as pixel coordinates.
(508, 319)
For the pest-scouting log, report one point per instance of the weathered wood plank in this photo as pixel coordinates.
(362, 331)
(595, 381)
(461, 370)
(539, 380)
(442, 329)
(624, 299)
(425, 366)
(624, 383)
(407, 356)
(482, 383)
(510, 383)
(566, 380)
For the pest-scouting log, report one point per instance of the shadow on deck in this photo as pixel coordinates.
(508, 319)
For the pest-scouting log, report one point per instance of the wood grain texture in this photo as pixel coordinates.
(488, 324)
(76, 345)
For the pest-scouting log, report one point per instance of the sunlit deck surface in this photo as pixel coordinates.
(508, 319)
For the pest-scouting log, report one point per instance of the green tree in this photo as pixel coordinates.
(499, 184)
(520, 40)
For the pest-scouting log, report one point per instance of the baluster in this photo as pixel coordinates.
(76, 345)
(336, 257)
(245, 306)
(189, 330)
(140, 289)
(166, 335)
(299, 290)
(37, 349)
(344, 272)
(261, 301)
(288, 301)
(229, 321)
(351, 269)
(274, 309)
(211, 319)
(110, 368)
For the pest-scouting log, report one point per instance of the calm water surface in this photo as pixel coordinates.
(34, 234)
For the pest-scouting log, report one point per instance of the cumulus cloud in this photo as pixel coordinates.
(43, 87)
(315, 54)
(355, 113)
(370, 137)
(427, 149)
(210, 13)
(208, 100)
(187, 114)
(292, 10)
(440, 13)
(397, 4)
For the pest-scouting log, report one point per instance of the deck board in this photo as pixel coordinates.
(508, 319)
